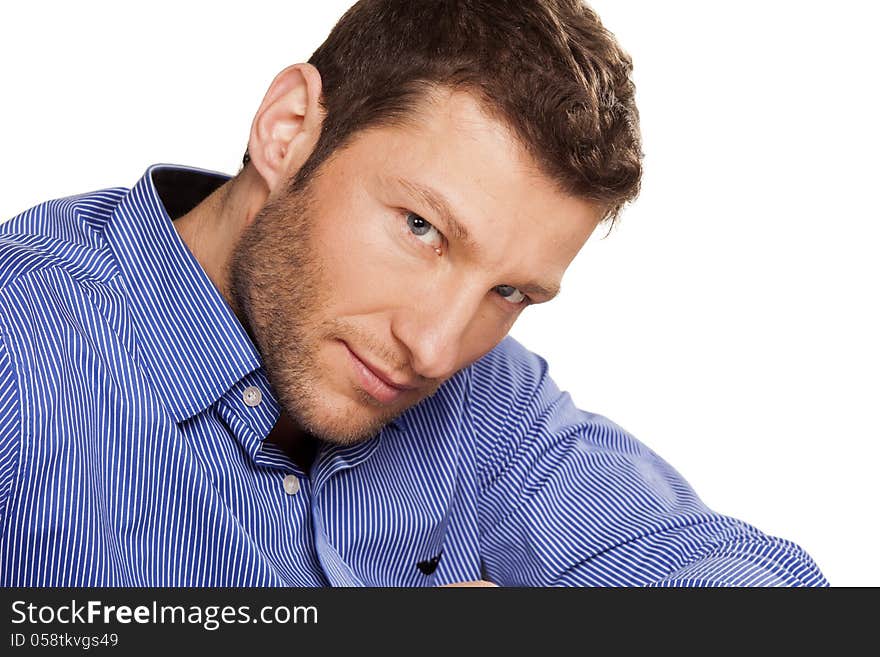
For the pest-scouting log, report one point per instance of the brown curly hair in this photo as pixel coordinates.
(547, 69)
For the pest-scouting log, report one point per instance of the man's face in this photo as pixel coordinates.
(356, 315)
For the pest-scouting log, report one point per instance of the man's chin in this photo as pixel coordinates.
(336, 411)
(333, 434)
(344, 427)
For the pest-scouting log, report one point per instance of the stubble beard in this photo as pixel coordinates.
(276, 282)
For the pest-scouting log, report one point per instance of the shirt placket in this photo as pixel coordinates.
(252, 410)
(330, 461)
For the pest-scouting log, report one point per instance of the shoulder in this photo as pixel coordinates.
(508, 377)
(64, 232)
(486, 394)
(510, 358)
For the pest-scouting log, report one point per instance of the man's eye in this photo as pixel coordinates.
(510, 294)
(424, 230)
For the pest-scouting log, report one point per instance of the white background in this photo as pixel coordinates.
(730, 320)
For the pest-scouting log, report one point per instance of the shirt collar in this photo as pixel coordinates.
(191, 341)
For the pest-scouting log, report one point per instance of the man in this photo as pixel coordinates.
(301, 375)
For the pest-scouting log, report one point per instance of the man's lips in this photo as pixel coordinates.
(375, 381)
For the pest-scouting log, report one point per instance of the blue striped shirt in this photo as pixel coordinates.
(133, 413)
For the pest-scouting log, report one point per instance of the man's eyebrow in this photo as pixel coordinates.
(439, 204)
(459, 231)
(549, 291)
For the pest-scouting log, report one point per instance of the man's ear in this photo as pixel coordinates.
(287, 125)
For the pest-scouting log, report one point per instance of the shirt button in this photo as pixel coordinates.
(291, 484)
(252, 396)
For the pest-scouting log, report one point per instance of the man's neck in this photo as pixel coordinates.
(299, 446)
(212, 228)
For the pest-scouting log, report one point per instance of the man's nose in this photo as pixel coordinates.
(433, 328)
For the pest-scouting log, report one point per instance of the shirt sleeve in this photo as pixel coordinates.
(10, 428)
(569, 498)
